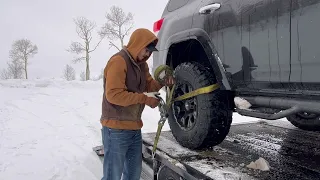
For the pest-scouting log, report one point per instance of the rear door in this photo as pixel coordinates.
(305, 44)
(221, 23)
(252, 39)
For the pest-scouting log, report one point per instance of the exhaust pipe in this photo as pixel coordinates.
(289, 106)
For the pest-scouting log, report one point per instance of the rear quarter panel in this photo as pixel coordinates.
(175, 28)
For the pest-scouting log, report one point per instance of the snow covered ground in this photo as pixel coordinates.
(49, 126)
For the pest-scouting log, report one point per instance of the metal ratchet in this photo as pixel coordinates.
(162, 109)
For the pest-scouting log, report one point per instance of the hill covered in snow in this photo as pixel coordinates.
(49, 126)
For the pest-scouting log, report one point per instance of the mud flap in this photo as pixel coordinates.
(99, 150)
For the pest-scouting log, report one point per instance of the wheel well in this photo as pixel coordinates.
(193, 51)
(187, 51)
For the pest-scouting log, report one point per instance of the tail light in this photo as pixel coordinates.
(157, 25)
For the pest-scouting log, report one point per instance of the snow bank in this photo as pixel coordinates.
(49, 126)
(48, 129)
(52, 83)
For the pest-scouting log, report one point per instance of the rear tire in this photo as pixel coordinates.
(305, 121)
(202, 121)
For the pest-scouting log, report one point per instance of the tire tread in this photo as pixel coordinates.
(213, 109)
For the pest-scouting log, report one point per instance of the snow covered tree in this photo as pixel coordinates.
(69, 73)
(5, 74)
(84, 28)
(21, 51)
(118, 26)
(14, 70)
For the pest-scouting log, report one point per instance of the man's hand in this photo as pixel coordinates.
(152, 94)
(152, 99)
(169, 81)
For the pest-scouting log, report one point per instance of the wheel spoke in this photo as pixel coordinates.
(177, 109)
(191, 120)
(186, 120)
(184, 88)
(194, 114)
(185, 111)
(189, 88)
(183, 121)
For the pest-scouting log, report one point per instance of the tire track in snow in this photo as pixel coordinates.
(24, 110)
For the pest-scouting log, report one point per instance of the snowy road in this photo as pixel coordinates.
(48, 129)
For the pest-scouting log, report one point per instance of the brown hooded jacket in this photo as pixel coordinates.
(125, 80)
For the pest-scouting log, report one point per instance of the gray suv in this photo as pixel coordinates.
(263, 51)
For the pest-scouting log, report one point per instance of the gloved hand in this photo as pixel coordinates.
(152, 94)
(152, 99)
(169, 81)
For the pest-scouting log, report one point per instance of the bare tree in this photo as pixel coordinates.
(14, 70)
(5, 74)
(118, 26)
(69, 73)
(84, 28)
(21, 51)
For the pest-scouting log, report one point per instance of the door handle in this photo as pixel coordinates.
(209, 8)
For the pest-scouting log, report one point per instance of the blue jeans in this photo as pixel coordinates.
(122, 154)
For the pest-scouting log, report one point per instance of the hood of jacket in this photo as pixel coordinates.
(139, 39)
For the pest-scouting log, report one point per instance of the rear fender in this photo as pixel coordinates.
(201, 36)
(165, 42)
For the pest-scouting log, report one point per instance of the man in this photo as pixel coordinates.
(128, 88)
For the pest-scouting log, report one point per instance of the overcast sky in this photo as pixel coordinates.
(49, 24)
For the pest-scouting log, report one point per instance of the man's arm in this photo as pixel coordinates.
(116, 91)
(152, 84)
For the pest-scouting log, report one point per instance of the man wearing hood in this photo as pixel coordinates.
(128, 87)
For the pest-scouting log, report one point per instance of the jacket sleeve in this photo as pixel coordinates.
(152, 84)
(116, 91)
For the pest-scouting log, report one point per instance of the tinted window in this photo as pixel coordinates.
(176, 4)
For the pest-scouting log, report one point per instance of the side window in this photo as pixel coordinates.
(176, 4)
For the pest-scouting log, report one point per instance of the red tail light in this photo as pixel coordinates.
(157, 25)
